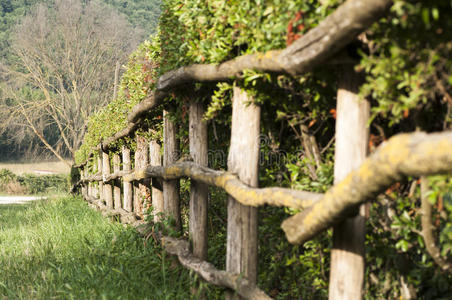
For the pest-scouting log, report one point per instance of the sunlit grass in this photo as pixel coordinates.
(21, 167)
(62, 249)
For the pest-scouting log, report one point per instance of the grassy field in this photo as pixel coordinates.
(18, 167)
(62, 249)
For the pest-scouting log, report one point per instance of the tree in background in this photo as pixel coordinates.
(66, 57)
(140, 13)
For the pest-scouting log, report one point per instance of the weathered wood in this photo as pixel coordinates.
(401, 156)
(428, 229)
(88, 183)
(117, 183)
(209, 273)
(125, 216)
(170, 155)
(243, 159)
(100, 184)
(198, 190)
(352, 136)
(313, 48)
(242, 192)
(83, 186)
(157, 194)
(141, 161)
(107, 189)
(127, 186)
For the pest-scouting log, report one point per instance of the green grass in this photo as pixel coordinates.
(62, 249)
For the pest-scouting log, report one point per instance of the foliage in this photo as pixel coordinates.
(33, 184)
(140, 13)
(405, 72)
(406, 77)
(395, 220)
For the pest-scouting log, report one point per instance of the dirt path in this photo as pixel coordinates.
(19, 199)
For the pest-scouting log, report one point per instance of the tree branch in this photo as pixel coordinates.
(427, 229)
(229, 182)
(404, 155)
(209, 273)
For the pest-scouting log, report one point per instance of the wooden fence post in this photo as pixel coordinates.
(127, 166)
(170, 155)
(108, 196)
(352, 133)
(243, 159)
(117, 182)
(90, 185)
(198, 191)
(141, 160)
(83, 186)
(100, 184)
(157, 193)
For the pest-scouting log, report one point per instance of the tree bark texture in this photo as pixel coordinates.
(198, 190)
(243, 159)
(89, 183)
(170, 155)
(117, 182)
(84, 188)
(107, 190)
(141, 190)
(352, 136)
(403, 155)
(100, 185)
(209, 273)
(240, 191)
(127, 186)
(157, 193)
(428, 229)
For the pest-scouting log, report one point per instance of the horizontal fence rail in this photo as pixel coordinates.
(124, 193)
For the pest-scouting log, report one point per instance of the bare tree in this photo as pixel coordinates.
(64, 72)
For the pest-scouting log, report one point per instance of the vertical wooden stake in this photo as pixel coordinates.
(198, 191)
(127, 166)
(157, 193)
(108, 196)
(100, 184)
(90, 185)
(117, 183)
(243, 159)
(347, 255)
(82, 176)
(141, 160)
(171, 155)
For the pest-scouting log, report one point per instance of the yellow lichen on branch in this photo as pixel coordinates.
(403, 155)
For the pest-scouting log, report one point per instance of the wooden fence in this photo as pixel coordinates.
(118, 190)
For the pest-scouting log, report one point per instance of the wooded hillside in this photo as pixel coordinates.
(43, 136)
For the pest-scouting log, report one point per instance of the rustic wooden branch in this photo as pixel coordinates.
(231, 184)
(125, 216)
(404, 155)
(209, 273)
(181, 248)
(331, 35)
(427, 229)
(313, 48)
(246, 195)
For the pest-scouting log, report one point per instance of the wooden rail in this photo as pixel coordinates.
(125, 192)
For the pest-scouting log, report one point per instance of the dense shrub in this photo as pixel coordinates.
(32, 184)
